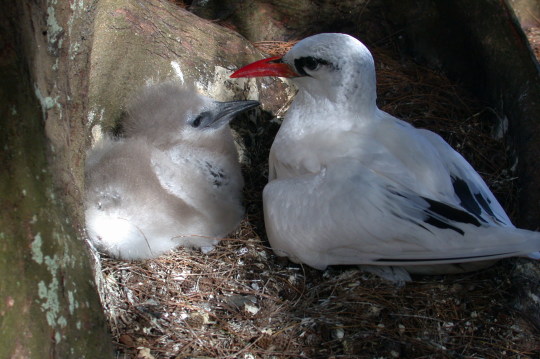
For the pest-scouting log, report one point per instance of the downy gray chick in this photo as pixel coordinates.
(173, 180)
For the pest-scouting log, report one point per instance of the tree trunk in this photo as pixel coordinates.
(49, 305)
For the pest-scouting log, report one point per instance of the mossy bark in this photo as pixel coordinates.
(49, 305)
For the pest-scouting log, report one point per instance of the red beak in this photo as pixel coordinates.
(272, 66)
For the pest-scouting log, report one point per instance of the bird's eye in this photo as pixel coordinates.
(198, 120)
(308, 63)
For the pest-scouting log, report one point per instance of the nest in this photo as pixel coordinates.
(240, 301)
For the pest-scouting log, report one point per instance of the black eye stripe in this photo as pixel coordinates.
(309, 63)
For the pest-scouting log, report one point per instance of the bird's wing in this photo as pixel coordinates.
(198, 182)
(349, 214)
(180, 175)
(432, 168)
(115, 169)
(471, 190)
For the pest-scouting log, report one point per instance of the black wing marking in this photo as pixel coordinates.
(437, 214)
(218, 174)
(466, 258)
(472, 202)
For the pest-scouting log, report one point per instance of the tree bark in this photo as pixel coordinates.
(49, 305)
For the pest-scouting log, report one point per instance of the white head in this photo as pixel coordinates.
(332, 66)
(168, 112)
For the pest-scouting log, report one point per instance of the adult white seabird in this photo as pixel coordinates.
(351, 184)
(172, 180)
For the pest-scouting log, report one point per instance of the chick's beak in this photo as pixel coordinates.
(272, 66)
(224, 112)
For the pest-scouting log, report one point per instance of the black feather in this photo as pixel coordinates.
(457, 259)
(440, 214)
(452, 213)
(309, 63)
(443, 225)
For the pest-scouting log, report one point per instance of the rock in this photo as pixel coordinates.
(136, 44)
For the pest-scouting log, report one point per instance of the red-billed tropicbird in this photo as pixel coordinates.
(173, 180)
(351, 184)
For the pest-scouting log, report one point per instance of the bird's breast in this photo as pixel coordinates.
(310, 150)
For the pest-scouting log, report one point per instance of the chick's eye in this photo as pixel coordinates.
(198, 120)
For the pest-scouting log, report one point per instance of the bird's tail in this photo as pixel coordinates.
(117, 236)
(532, 243)
(487, 244)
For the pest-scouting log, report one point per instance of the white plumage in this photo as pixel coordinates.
(173, 180)
(351, 184)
